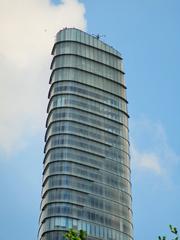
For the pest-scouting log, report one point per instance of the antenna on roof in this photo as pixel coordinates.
(98, 36)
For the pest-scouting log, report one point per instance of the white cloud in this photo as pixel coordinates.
(150, 148)
(28, 28)
(147, 161)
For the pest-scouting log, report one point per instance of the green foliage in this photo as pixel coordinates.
(82, 235)
(162, 238)
(174, 231)
(73, 234)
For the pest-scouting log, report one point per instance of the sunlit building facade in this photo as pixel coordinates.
(86, 176)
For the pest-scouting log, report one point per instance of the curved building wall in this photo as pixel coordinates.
(86, 176)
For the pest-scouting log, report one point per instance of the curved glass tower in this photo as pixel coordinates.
(86, 177)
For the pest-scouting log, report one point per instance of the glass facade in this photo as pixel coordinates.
(86, 176)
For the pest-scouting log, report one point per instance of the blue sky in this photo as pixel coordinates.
(147, 34)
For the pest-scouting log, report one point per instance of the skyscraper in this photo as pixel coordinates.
(86, 177)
